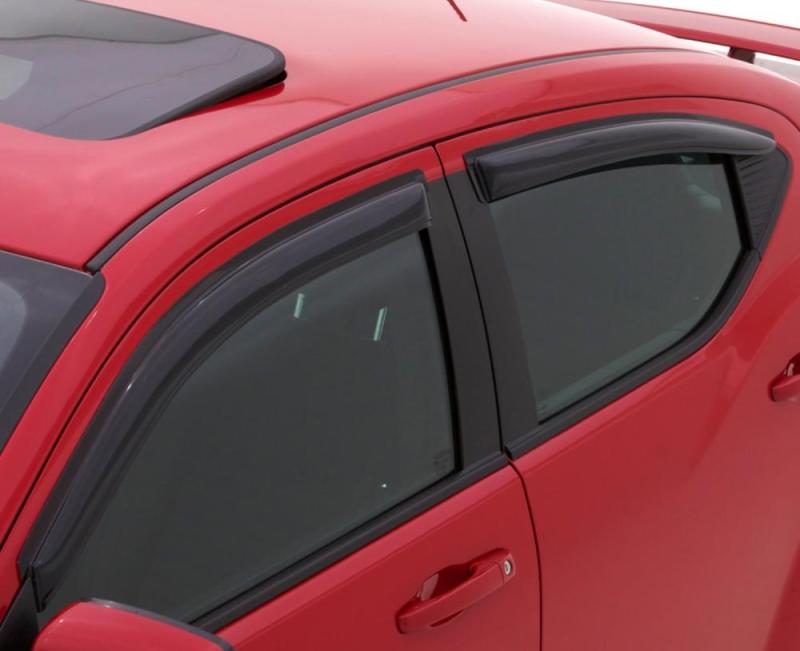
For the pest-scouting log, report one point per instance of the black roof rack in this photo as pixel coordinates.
(78, 69)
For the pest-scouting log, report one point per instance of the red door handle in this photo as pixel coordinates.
(484, 576)
(786, 387)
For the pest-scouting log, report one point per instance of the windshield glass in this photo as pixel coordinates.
(41, 305)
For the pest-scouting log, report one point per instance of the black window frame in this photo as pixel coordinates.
(758, 170)
(355, 226)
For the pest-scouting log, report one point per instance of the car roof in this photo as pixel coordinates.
(63, 200)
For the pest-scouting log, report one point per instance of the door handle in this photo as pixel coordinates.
(787, 386)
(435, 605)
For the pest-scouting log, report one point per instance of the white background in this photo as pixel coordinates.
(782, 12)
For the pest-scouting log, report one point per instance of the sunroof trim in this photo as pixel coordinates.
(98, 72)
(241, 86)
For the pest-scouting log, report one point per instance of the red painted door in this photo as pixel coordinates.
(311, 451)
(645, 335)
(354, 604)
(474, 553)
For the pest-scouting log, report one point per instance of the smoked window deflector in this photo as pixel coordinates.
(554, 155)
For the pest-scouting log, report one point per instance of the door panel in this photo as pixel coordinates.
(667, 518)
(289, 381)
(354, 604)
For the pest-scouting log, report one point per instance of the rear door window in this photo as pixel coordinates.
(611, 267)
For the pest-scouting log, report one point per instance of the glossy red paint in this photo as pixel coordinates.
(158, 254)
(99, 626)
(724, 30)
(678, 502)
(786, 388)
(135, 298)
(346, 606)
(492, 514)
(67, 210)
(645, 511)
(148, 262)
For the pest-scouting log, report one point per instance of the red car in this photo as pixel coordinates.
(405, 325)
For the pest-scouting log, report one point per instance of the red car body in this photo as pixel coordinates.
(665, 518)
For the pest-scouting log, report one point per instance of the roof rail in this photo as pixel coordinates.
(744, 38)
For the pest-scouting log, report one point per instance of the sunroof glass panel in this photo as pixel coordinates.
(77, 69)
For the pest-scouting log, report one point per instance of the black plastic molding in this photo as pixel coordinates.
(763, 182)
(554, 155)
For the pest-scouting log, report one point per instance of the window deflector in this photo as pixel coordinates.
(76, 506)
(759, 180)
(544, 159)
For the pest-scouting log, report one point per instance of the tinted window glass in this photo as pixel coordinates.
(325, 409)
(612, 267)
(84, 70)
(38, 315)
